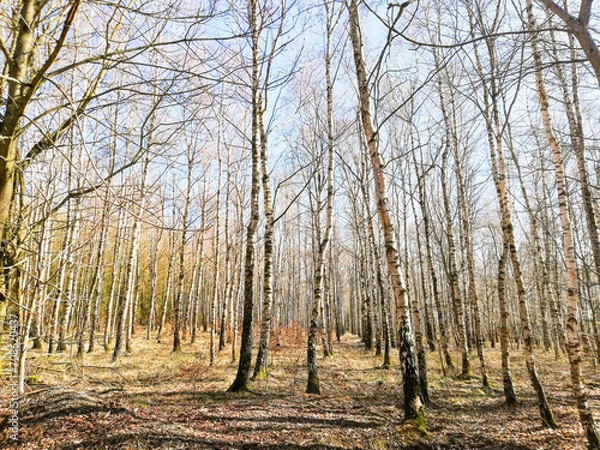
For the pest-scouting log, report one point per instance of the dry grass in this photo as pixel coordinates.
(156, 399)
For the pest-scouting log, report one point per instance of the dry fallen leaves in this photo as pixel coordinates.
(155, 401)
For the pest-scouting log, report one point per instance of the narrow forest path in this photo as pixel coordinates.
(156, 400)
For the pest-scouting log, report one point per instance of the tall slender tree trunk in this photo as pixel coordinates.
(451, 142)
(366, 293)
(97, 282)
(327, 312)
(199, 278)
(553, 286)
(323, 237)
(227, 300)
(168, 287)
(508, 237)
(495, 131)
(575, 121)
(260, 368)
(509, 391)
(414, 304)
(413, 406)
(126, 311)
(180, 289)
(238, 283)
(115, 280)
(453, 276)
(245, 361)
(429, 257)
(466, 233)
(421, 349)
(543, 285)
(86, 316)
(217, 265)
(133, 305)
(40, 291)
(57, 304)
(387, 359)
(573, 341)
(153, 272)
(69, 287)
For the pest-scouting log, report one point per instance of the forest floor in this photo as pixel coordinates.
(154, 399)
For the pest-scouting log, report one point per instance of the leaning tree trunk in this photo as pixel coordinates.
(579, 27)
(414, 409)
(509, 239)
(573, 342)
(575, 121)
(495, 130)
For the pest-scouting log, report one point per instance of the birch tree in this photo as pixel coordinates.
(579, 26)
(573, 340)
(413, 406)
(245, 359)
